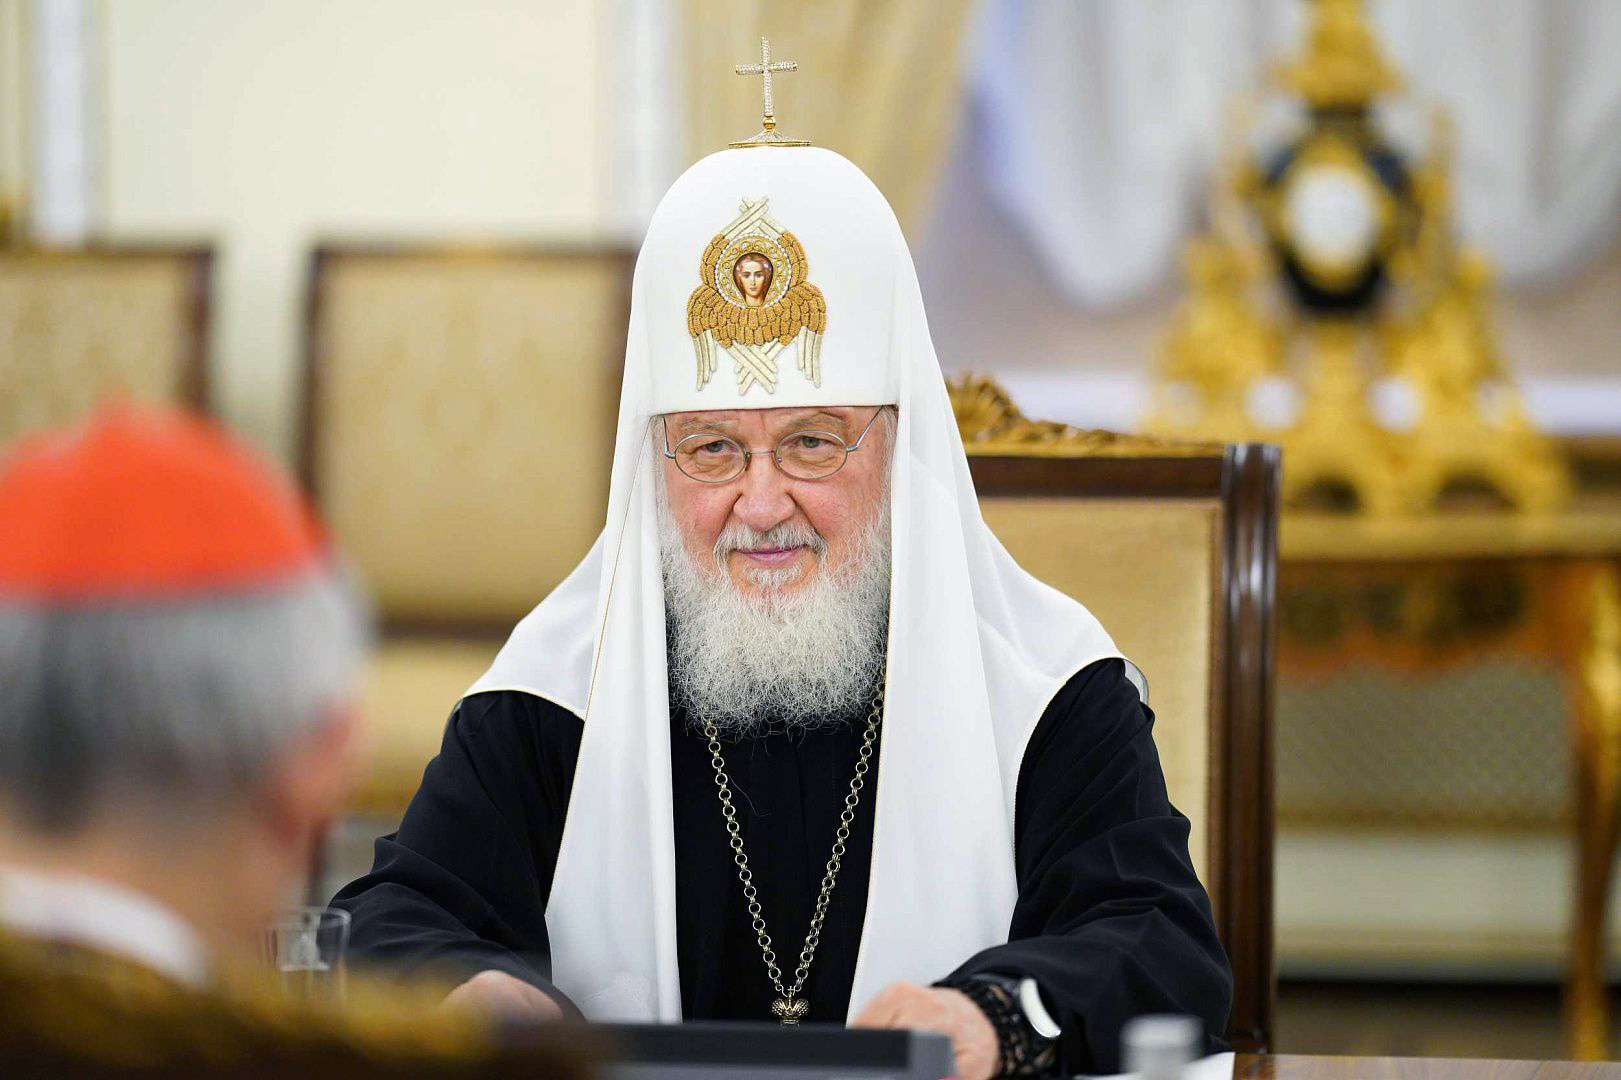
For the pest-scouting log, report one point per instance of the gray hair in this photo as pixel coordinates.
(174, 706)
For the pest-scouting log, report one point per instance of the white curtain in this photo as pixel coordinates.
(65, 121)
(1099, 120)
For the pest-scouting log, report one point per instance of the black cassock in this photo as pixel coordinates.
(1110, 920)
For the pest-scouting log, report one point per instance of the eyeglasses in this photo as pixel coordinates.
(712, 458)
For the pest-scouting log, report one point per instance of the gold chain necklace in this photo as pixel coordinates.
(789, 1008)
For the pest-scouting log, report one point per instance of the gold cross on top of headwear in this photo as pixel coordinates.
(765, 68)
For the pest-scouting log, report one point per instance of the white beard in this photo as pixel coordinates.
(800, 659)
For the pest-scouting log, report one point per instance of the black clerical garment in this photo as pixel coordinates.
(1110, 920)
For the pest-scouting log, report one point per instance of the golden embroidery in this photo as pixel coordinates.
(755, 301)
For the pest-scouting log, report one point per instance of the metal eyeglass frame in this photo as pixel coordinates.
(775, 452)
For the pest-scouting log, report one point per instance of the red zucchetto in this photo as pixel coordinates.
(144, 502)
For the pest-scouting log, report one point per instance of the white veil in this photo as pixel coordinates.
(977, 647)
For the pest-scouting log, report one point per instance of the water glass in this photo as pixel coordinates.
(307, 949)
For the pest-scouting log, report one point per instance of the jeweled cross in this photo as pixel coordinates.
(765, 68)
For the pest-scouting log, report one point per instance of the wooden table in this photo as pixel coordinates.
(1303, 1067)
(1569, 564)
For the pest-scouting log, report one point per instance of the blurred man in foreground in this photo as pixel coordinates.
(177, 652)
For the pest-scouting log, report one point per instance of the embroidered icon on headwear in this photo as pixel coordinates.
(754, 302)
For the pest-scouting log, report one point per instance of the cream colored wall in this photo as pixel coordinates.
(266, 126)
(13, 111)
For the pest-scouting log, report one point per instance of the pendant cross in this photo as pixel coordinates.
(765, 68)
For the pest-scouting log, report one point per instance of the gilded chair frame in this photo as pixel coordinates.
(1243, 480)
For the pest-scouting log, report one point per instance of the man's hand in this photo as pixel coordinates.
(497, 994)
(935, 1008)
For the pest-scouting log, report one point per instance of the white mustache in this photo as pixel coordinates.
(790, 534)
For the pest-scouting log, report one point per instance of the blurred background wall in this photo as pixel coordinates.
(263, 129)
(1089, 132)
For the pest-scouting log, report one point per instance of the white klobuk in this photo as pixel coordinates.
(977, 647)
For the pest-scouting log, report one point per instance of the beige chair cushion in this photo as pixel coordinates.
(1147, 569)
(465, 416)
(410, 689)
(76, 329)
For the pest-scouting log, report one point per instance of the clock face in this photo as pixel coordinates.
(1332, 215)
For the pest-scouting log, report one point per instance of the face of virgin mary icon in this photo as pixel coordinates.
(753, 273)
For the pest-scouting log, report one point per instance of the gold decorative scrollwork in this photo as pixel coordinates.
(991, 424)
(1394, 408)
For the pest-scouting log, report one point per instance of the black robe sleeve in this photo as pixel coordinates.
(461, 886)
(1111, 921)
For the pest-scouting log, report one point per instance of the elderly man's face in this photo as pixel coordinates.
(837, 507)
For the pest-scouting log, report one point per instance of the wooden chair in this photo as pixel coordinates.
(458, 435)
(82, 326)
(1174, 548)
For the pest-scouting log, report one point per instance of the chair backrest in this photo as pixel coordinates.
(459, 417)
(83, 326)
(1174, 548)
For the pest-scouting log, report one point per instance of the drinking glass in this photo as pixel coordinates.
(306, 947)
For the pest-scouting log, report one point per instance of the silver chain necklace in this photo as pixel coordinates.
(789, 1008)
